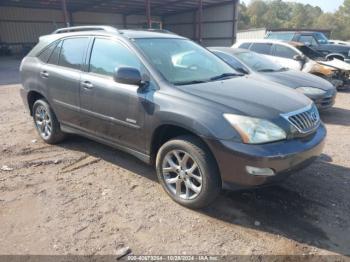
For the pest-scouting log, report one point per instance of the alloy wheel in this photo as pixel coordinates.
(43, 122)
(182, 175)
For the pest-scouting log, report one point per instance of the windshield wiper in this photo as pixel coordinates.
(189, 82)
(225, 75)
(267, 70)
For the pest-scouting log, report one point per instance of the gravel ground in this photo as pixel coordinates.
(81, 197)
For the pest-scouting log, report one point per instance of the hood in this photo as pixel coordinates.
(339, 64)
(295, 79)
(249, 96)
(335, 48)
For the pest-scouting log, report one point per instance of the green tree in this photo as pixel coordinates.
(281, 14)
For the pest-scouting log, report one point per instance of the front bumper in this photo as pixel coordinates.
(282, 157)
(325, 101)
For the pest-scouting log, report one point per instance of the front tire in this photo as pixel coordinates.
(188, 172)
(46, 122)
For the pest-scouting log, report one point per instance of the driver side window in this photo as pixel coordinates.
(308, 39)
(107, 55)
(284, 51)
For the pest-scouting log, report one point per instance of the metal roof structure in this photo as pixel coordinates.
(128, 7)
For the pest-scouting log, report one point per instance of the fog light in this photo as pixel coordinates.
(256, 171)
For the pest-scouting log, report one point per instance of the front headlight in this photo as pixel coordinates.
(255, 130)
(310, 91)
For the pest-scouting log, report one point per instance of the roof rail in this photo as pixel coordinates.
(86, 28)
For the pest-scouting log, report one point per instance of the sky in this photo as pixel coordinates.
(326, 5)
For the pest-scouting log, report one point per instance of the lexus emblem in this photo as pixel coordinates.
(314, 117)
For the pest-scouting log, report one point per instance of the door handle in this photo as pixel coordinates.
(44, 74)
(87, 85)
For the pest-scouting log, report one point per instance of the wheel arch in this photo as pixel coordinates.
(32, 97)
(336, 55)
(168, 131)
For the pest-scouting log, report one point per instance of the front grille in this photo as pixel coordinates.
(305, 120)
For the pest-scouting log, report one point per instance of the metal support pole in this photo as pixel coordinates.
(200, 20)
(124, 21)
(65, 13)
(235, 21)
(148, 13)
(71, 20)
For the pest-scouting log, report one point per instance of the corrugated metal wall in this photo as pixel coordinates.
(258, 33)
(217, 29)
(23, 26)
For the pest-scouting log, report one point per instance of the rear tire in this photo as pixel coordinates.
(188, 172)
(46, 122)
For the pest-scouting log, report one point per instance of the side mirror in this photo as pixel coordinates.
(128, 75)
(298, 58)
(308, 44)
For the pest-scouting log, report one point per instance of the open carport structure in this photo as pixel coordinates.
(209, 22)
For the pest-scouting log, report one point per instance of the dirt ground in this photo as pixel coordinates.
(81, 197)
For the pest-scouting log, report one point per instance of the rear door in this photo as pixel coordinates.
(284, 56)
(62, 75)
(112, 110)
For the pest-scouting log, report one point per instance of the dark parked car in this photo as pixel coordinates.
(316, 40)
(172, 103)
(321, 91)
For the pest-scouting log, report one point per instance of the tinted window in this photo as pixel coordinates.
(281, 36)
(72, 52)
(45, 54)
(308, 39)
(321, 38)
(230, 60)
(283, 51)
(108, 55)
(261, 48)
(245, 45)
(55, 54)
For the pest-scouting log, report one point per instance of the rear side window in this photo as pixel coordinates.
(72, 52)
(46, 53)
(55, 54)
(284, 51)
(261, 48)
(108, 55)
(245, 45)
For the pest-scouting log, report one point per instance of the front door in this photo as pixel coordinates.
(112, 110)
(284, 56)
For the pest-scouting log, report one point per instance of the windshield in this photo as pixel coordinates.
(321, 38)
(309, 52)
(258, 63)
(181, 61)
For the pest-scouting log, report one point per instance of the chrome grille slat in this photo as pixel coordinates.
(305, 120)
